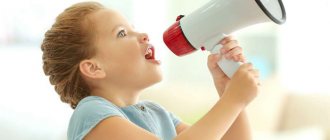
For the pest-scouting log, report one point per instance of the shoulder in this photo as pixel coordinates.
(93, 105)
(89, 112)
(161, 111)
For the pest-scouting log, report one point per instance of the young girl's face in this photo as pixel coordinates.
(125, 54)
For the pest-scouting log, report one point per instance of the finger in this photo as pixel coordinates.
(255, 76)
(256, 73)
(247, 66)
(226, 40)
(213, 63)
(236, 58)
(240, 58)
(213, 59)
(257, 81)
(229, 46)
(234, 52)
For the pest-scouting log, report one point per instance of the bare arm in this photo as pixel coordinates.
(214, 124)
(240, 130)
(117, 128)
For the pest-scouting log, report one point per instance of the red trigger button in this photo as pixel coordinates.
(179, 17)
(203, 48)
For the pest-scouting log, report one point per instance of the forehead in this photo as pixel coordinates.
(107, 20)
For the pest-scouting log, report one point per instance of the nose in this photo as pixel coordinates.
(144, 38)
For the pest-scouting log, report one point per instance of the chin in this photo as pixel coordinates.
(154, 78)
(158, 77)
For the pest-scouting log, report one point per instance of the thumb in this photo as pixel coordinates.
(213, 59)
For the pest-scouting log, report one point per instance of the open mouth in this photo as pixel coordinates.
(150, 53)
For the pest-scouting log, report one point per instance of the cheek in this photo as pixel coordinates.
(123, 52)
(132, 54)
(128, 59)
(124, 58)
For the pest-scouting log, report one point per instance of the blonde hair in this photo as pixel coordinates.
(66, 44)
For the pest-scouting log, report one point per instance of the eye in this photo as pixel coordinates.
(121, 33)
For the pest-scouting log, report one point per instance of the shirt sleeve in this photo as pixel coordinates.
(88, 114)
(176, 120)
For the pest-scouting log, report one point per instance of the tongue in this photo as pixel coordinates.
(151, 54)
(148, 56)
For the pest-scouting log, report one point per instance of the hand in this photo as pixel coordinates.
(244, 85)
(230, 50)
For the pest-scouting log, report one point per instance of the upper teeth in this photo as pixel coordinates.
(148, 51)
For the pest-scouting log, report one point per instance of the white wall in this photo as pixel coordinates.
(29, 107)
(304, 47)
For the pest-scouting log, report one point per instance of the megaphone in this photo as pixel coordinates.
(206, 26)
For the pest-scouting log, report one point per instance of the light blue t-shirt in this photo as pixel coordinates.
(148, 115)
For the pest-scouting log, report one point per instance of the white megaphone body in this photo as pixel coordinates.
(206, 26)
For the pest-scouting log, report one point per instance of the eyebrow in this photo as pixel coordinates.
(116, 27)
(121, 25)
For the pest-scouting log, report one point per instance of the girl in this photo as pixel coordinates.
(99, 65)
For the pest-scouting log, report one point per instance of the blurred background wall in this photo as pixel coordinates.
(293, 60)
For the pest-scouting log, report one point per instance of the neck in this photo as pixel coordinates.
(119, 96)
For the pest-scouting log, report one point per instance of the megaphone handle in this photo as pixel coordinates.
(229, 67)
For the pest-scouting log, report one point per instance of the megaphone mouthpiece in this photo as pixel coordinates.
(176, 41)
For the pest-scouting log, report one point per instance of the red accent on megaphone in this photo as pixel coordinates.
(176, 40)
(179, 17)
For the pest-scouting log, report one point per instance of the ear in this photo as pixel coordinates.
(91, 69)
